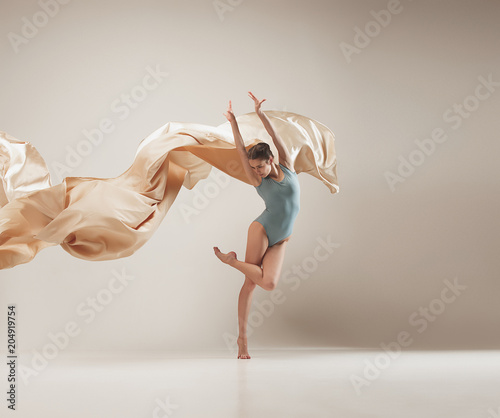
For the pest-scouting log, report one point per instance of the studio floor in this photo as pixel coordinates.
(274, 383)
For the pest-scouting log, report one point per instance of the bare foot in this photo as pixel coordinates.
(225, 258)
(242, 348)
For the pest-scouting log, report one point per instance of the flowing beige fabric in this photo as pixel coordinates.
(109, 218)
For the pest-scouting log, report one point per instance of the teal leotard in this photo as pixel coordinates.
(282, 200)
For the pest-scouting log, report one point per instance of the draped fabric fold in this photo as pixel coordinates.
(109, 218)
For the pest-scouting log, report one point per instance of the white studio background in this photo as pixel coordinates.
(384, 76)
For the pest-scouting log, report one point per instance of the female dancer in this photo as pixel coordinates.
(268, 234)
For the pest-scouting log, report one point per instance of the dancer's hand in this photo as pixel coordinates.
(256, 101)
(229, 113)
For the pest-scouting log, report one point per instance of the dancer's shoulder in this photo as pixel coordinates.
(287, 166)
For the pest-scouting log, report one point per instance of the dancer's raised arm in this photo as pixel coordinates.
(240, 146)
(283, 153)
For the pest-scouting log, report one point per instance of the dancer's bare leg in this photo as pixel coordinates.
(256, 247)
(244, 304)
(266, 276)
(258, 254)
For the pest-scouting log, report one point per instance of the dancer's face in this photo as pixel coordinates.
(261, 167)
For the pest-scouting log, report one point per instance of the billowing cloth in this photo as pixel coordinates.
(110, 218)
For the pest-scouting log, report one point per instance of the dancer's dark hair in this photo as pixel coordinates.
(260, 151)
